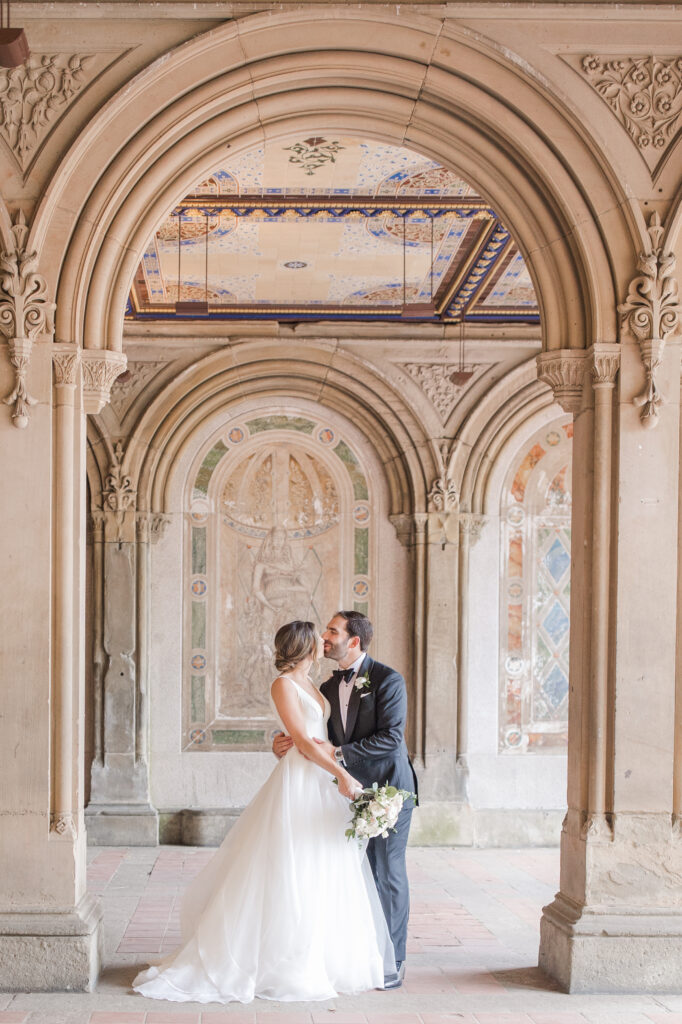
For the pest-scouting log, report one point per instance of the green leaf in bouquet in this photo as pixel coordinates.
(391, 791)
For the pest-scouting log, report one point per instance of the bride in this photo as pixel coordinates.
(287, 908)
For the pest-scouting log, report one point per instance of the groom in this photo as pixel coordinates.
(367, 734)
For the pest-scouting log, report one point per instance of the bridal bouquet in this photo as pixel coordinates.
(375, 811)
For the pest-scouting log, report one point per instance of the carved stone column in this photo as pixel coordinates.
(470, 526)
(50, 928)
(120, 810)
(440, 719)
(616, 923)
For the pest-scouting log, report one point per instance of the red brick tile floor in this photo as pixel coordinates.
(472, 951)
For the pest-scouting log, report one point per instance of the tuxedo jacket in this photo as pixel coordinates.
(373, 741)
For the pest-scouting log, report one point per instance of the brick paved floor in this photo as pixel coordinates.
(472, 951)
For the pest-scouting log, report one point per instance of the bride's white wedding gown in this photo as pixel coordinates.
(287, 908)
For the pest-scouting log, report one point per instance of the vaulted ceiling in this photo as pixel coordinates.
(333, 228)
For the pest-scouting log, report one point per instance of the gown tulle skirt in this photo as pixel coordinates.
(287, 908)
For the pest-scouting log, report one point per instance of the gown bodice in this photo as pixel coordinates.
(315, 718)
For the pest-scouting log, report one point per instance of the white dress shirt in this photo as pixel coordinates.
(346, 687)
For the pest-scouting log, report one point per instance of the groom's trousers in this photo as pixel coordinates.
(387, 860)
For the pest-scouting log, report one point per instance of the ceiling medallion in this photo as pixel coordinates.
(313, 153)
(295, 265)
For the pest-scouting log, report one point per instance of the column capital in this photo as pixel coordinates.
(564, 370)
(603, 360)
(65, 363)
(101, 367)
(470, 525)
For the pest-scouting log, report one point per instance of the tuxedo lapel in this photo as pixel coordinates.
(355, 698)
(331, 691)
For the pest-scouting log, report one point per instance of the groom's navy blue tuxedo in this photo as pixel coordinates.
(374, 750)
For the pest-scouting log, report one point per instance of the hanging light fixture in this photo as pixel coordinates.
(192, 307)
(461, 376)
(13, 42)
(418, 310)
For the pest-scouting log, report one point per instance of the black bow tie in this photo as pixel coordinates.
(343, 675)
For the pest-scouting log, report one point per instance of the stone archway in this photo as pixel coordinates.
(285, 70)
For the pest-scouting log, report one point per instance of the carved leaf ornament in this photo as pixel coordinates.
(645, 93)
(34, 94)
(24, 312)
(652, 312)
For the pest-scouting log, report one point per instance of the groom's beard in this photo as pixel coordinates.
(335, 652)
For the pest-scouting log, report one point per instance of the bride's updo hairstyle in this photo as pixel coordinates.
(294, 642)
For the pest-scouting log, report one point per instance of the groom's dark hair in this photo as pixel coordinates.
(358, 625)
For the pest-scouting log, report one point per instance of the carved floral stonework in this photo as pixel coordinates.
(151, 526)
(33, 95)
(442, 383)
(118, 494)
(605, 359)
(25, 311)
(444, 496)
(126, 387)
(564, 371)
(470, 526)
(645, 93)
(101, 367)
(651, 313)
(65, 363)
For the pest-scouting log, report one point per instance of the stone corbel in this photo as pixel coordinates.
(564, 371)
(651, 313)
(25, 312)
(101, 367)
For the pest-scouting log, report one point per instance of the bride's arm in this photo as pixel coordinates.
(289, 710)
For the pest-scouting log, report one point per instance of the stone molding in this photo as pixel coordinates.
(651, 313)
(34, 95)
(101, 367)
(125, 391)
(564, 371)
(25, 312)
(645, 94)
(65, 363)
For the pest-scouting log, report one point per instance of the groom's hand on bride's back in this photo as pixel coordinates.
(281, 743)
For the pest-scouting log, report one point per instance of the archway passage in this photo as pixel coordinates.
(510, 134)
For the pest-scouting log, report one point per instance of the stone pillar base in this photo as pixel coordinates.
(587, 949)
(52, 952)
(122, 825)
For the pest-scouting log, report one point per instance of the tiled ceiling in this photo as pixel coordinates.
(330, 227)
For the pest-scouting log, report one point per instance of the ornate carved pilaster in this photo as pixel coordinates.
(118, 494)
(564, 371)
(604, 362)
(25, 312)
(101, 367)
(651, 313)
(470, 526)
